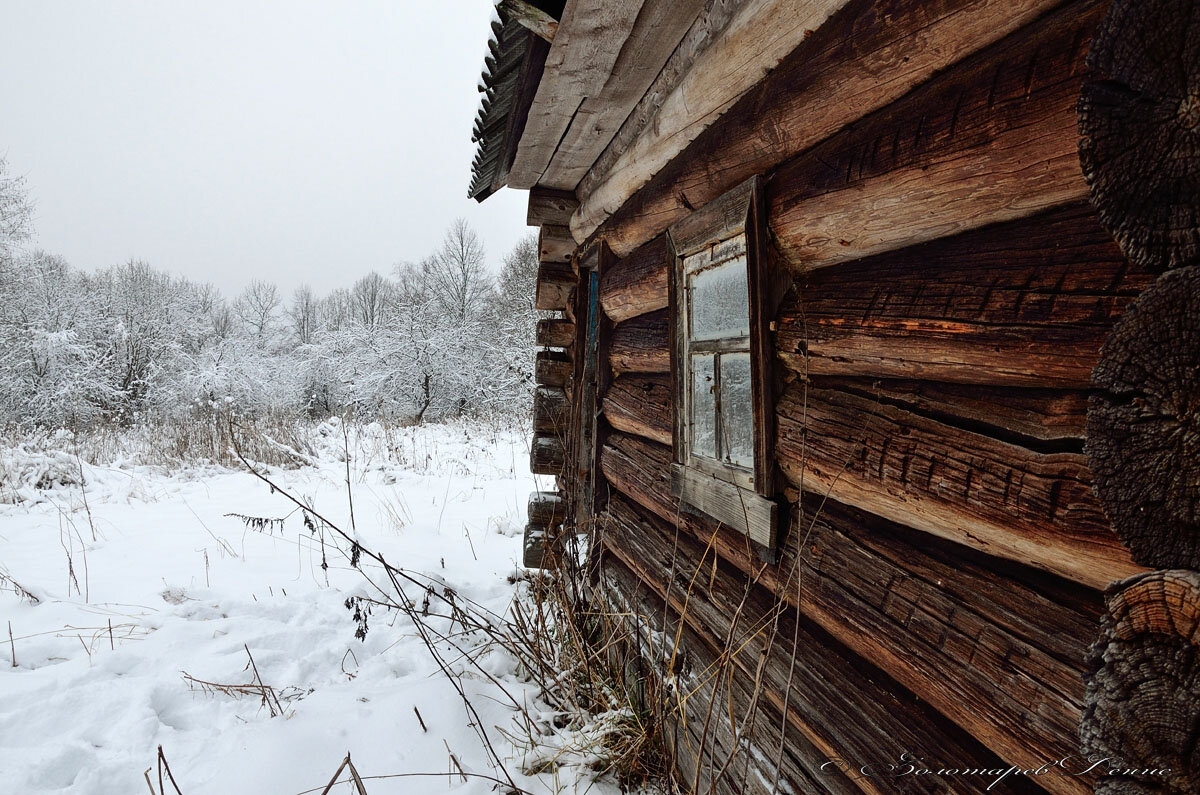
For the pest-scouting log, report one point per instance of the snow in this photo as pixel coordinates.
(187, 587)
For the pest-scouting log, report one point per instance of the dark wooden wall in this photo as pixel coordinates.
(950, 290)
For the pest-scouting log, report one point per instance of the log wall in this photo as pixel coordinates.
(941, 574)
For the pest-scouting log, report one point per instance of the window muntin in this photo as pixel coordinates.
(719, 411)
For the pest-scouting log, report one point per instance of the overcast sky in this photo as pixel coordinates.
(292, 140)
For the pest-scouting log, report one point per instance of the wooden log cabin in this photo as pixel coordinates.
(873, 376)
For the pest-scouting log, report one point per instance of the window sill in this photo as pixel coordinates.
(740, 509)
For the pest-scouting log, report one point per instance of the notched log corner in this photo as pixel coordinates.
(1143, 430)
(1139, 122)
(1143, 687)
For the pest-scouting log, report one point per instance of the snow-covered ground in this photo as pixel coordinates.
(144, 579)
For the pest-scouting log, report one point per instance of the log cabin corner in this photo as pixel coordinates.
(873, 380)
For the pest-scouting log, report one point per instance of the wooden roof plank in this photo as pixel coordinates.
(585, 49)
(657, 31)
(758, 35)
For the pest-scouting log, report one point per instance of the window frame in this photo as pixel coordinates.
(738, 497)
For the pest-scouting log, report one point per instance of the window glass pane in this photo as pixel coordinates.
(720, 301)
(704, 411)
(737, 412)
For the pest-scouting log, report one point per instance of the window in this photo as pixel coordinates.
(723, 460)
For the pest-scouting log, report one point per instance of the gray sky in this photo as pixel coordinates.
(292, 140)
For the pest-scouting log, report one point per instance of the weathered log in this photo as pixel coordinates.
(831, 698)
(996, 647)
(550, 207)
(555, 333)
(1139, 115)
(555, 244)
(1045, 419)
(1003, 499)
(996, 141)
(1027, 303)
(640, 404)
(555, 285)
(641, 345)
(551, 410)
(828, 82)
(1143, 687)
(547, 455)
(530, 17)
(552, 368)
(546, 508)
(534, 546)
(1143, 431)
(638, 283)
(705, 744)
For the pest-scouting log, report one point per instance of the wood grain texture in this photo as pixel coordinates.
(992, 140)
(871, 53)
(1026, 303)
(638, 283)
(707, 746)
(843, 707)
(549, 206)
(555, 333)
(1143, 687)
(995, 646)
(1003, 499)
(1139, 118)
(756, 37)
(586, 46)
(546, 508)
(656, 30)
(551, 410)
(552, 368)
(547, 454)
(641, 345)
(1143, 429)
(555, 244)
(555, 285)
(640, 404)
(1038, 418)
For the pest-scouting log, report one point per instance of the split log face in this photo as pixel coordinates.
(546, 508)
(555, 333)
(551, 410)
(547, 455)
(1143, 686)
(640, 404)
(552, 368)
(1143, 434)
(641, 345)
(1139, 115)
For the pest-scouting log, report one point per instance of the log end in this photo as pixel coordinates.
(1143, 427)
(1143, 687)
(1139, 122)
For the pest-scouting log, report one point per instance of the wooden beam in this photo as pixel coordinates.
(833, 699)
(641, 345)
(1002, 499)
(550, 207)
(734, 507)
(551, 410)
(586, 46)
(1143, 693)
(552, 368)
(546, 508)
(638, 283)
(534, 546)
(640, 404)
(828, 81)
(555, 333)
(555, 285)
(1143, 431)
(751, 39)
(996, 647)
(1027, 303)
(547, 455)
(555, 244)
(656, 30)
(530, 17)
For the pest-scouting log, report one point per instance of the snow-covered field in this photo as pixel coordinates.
(146, 580)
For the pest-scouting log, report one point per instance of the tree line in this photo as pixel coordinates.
(442, 337)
